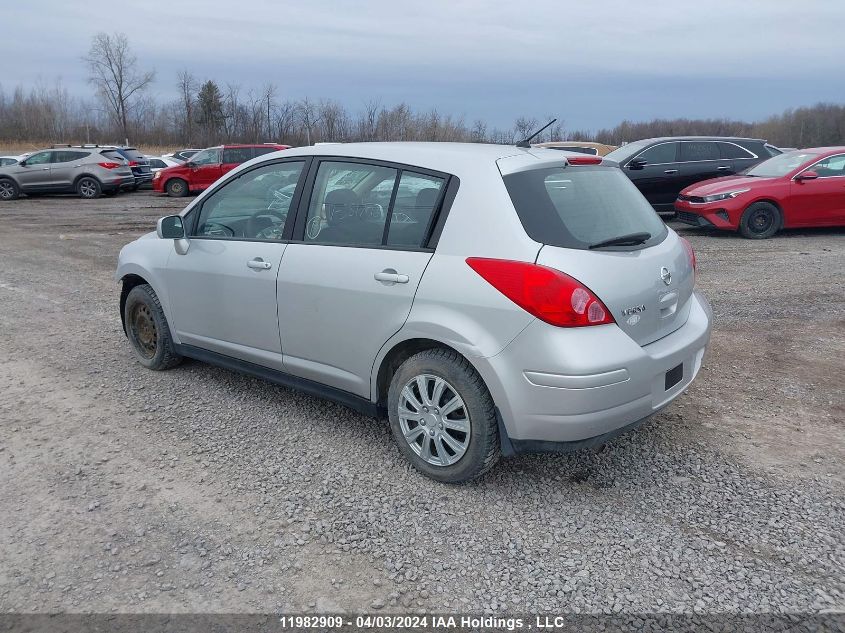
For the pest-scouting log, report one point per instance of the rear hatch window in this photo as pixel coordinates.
(579, 206)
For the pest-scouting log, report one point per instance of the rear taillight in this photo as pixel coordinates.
(583, 160)
(109, 165)
(548, 294)
(133, 163)
(691, 255)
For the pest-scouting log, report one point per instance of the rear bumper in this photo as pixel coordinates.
(555, 385)
(117, 182)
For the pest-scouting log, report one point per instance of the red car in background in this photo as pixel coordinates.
(207, 166)
(802, 188)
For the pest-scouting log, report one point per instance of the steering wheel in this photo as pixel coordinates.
(215, 229)
(278, 199)
(265, 223)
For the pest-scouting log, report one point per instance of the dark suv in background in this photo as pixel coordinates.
(139, 163)
(662, 167)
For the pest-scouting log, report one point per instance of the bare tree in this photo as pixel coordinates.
(114, 70)
(188, 95)
(309, 118)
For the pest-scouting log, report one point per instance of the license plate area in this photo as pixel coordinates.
(674, 376)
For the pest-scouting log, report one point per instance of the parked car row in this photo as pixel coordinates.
(662, 167)
(729, 183)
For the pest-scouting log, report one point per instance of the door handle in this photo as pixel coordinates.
(259, 264)
(390, 276)
(722, 168)
(670, 171)
(45, 169)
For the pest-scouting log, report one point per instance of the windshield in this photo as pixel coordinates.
(620, 154)
(580, 206)
(781, 165)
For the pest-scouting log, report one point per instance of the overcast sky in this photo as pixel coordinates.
(592, 63)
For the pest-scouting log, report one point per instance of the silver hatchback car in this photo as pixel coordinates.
(486, 299)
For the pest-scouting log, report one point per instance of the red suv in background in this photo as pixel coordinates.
(207, 166)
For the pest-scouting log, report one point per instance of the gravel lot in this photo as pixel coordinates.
(199, 489)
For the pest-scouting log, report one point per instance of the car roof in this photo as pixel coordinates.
(834, 149)
(697, 138)
(454, 158)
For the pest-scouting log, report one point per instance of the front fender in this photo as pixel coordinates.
(147, 258)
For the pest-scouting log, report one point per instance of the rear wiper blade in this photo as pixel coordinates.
(623, 240)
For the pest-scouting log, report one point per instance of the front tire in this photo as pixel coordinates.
(442, 416)
(9, 190)
(147, 329)
(760, 220)
(176, 188)
(88, 188)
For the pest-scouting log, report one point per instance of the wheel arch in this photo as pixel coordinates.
(388, 362)
(769, 200)
(86, 175)
(128, 282)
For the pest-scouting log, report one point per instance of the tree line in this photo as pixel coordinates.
(207, 113)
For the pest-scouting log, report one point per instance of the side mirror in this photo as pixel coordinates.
(170, 228)
(637, 163)
(22, 163)
(190, 164)
(807, 175)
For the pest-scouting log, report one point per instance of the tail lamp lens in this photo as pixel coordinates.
(546, 293)
(109, 165)
(691, 255)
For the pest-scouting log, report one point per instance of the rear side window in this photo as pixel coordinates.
(69, 156)
(157, 163)
(577, 206)
(350, 204)
(731, 150)
(660, 154)
(237, 155)
(260, 151)
(692, 151)
(413, 209)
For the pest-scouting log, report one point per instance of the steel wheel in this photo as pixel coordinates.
(8, 191)
(144, 332)
(761, 220)
(434, 420)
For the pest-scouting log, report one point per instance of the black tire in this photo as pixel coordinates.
(147, 329)
(134, 187)
(176, 188)
(760, 220)
(9, 189)
(88, 187)
(483, 448)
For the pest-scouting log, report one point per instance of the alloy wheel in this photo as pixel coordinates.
(434, 420)
(7, 190)
(88, 188)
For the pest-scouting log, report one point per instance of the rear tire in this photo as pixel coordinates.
(148, 331)
(9, 189)
(176, 188)
(420, 434)
(88, 188)
(760, 220)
